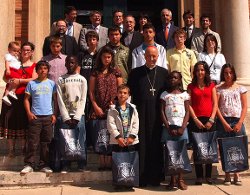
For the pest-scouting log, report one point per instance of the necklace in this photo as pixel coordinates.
(152, 89)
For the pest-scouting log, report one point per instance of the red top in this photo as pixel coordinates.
(26, 73)
(201, 99)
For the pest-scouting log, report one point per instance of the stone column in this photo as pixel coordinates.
(39, 24)
(236, 39)
(7, 34)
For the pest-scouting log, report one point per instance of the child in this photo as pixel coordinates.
(72, 93)
(203, 108)
(123, 123)
(103, 84)
(175, 115)
(12, 64)
(41, 118)
(232, 103)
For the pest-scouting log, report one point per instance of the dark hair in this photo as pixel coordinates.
(205, 16)
(118, 10)
(180, 86)
(61, 20)
(99, 64)
(32, 46)
(144, 15)
(188, 12)
(123, 86)
(71, 56)
(42, 63)
(114, 29)
(178, 32)
(207, 79)
(91, 34)
(228, 65)
(69, 9)
(148, 26)
(210, 37)
(95, 12)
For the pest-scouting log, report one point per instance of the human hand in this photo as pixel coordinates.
(31, 116)
(173, 132)
(7, 72)
(121, 142)
(53, 119)
(227, 127)
(237, 127)
(180, 131)
(130, 140)
(208, 125)
(199, 124)
(99, 112)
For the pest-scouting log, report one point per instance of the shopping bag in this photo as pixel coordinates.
(125, 168)
(71, 146)
(205, 147)
(177, 160)
(102, 145)
(234, 153)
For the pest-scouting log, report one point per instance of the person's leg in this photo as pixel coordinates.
(181, 183)
(199, 174)
(102, 162)
(11, 147)
(237, 180)
(172, 183)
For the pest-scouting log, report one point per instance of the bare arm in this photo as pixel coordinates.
(209, 124)
(26, 102)
(243, 98)
(55, 108)
(7, 67)
(186, 118)
(163, 115)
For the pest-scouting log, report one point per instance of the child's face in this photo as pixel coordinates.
(228, 75)
(42, 72)
(123, 95)
(71, 65)
(92, 42)
(174, 79)
(200, 72)
(15, 50)
(106, 59)
(55, 48)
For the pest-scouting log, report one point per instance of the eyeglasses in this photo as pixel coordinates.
(26, 50)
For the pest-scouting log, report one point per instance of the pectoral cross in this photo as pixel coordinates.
(152, 90)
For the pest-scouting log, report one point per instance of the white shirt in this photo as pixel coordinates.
(14, 62)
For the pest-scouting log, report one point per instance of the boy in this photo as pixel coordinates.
(72, 92)
(123, 123)
(40, 116)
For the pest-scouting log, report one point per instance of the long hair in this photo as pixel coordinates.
(210, 37)
(222, 77)
(207, 79)
(99, 64)
(180, 85)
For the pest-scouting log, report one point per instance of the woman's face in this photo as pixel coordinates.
(228, 75)
(200, 72)
(106, 59)
(143, 21)
(210, 43)
(26, 52)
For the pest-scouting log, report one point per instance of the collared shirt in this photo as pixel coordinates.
(96, 28)
(57, 66)
(128, 38)
(182, 61)
(189, 30)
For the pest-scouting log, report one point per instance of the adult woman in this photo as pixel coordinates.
(203, 107)
(232, 103)
(214, 59)
(14, 121)
(143, 19)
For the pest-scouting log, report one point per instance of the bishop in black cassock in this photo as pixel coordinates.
(146, 84)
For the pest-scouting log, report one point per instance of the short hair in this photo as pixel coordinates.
(95, 12)
(42, 63)
(144, 15)
(123, 86)
(69, 9)
(148, 26)
(91, 34)
(179, 32)
(55, 39)
(228, 65)
(188, 13)
(12, 44)
(114, 29)
(212, 38)
(207, 79)
(166, 9)
(205, 16)
(32, 46)
(117, 10)
(129, 15)
(170, 76)
(71, 56)
(60, 21)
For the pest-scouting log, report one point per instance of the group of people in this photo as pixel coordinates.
(178, 80)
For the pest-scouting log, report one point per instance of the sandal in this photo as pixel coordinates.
(182, 185)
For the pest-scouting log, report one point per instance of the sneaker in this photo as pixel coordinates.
(13, 95)
(227, 182)
(46, 170)
(6, 101)
(27, 169)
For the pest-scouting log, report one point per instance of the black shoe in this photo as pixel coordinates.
(198, 182)
(209, 180)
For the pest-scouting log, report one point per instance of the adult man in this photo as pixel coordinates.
(198, 38)
(181, 59)
(95, 19)
(164, 34)
(147, 83)
(138, 57)
(118, 19)
(69, 45)
(73, 28)
(121, 52)
(189, 27)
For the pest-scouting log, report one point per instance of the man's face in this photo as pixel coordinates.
(96, 19)
(55, 48)
(151, 56)
(166, 17)
(179, 39)
(205, 23)
(129, 24)
(114, 37)
(188, 20)
(61, 27)
(118, 18)
(71, 17)
(148, 34)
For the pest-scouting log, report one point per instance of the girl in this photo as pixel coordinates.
(144, 19)
(175, 115)
(103, 84)
(214, 59)
(203, 107)
(232, 103)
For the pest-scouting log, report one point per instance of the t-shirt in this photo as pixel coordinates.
(175, 108)
(125, 117)
(14, 62)
(41, 94)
